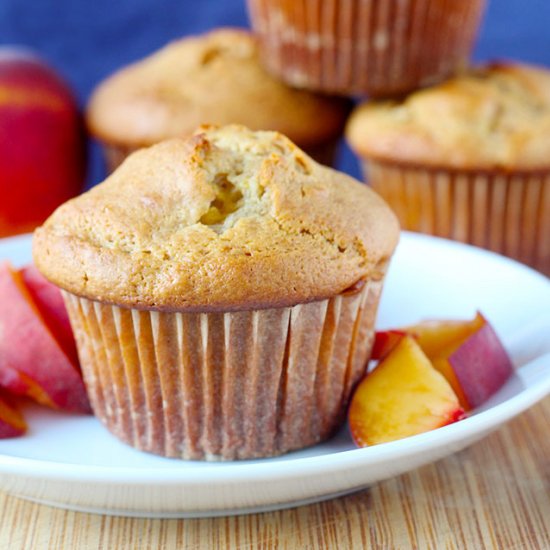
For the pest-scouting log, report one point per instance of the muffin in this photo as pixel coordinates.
(223, 290)
(468, 159)
(215, 78)
(376, 47)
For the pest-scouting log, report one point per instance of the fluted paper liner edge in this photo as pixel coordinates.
(223, 386)
(354, 47)
(508, 213)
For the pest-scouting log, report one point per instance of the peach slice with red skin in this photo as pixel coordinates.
(433, 336)
(32, 362)
(12, 423)
(384, 342)
(468, 354)
(481, 365)
(49, 301)
(403, 396)
(436, 338)
(439, 340)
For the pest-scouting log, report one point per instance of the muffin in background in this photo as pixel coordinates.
(214, 78)
(223, 291)
(468, 159)
(381, 48)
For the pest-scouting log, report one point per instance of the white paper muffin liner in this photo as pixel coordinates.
(224, 385)
(508, 213)
(375, 47)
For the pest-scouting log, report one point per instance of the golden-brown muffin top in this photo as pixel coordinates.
(215, 78)
(225, 219)
(494, 117)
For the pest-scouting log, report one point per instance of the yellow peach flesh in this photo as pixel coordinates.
(403, 396)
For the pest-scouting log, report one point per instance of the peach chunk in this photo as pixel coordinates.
(435, 337)
(384, 342)
(12, 423)
(32, 362)
(403, 396)
(481, 365)
(469, 354)
(49, 301)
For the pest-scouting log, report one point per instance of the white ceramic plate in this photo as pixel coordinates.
(73, 462)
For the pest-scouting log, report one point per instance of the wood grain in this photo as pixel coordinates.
(496, 494)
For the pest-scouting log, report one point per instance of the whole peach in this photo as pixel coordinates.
(42, 144)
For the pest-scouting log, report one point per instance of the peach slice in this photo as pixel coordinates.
(481, 365)
(467, 353)
(437, 337)
(403, 396)
(434, 337)
(384, 342)
(49, 301)
(32, 362)
(12, 423)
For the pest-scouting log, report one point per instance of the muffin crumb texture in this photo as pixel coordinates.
(227, 219)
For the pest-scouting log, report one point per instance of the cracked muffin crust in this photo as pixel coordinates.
(494, 118)
(227, 219)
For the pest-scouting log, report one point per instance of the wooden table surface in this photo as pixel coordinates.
(496, 494)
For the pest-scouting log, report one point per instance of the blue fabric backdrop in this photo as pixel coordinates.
(87, 39)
